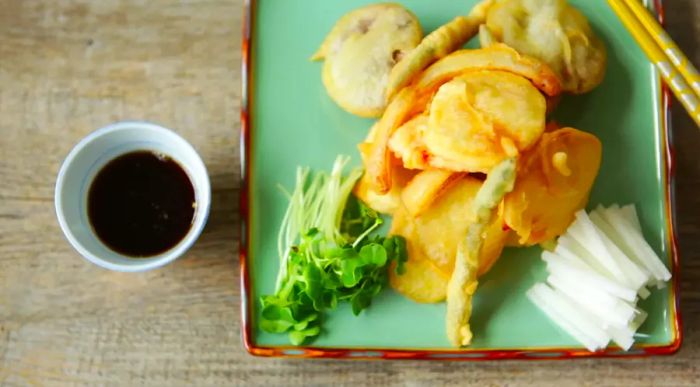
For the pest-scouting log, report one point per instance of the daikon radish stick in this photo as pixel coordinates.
(636, 243)
(591, 278)
(565, 316)
(607, 308)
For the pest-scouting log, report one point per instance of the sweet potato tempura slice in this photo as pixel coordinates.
(554, 180)
(480, 118)
(422, 281)
(425, 187)
(378, 167)
(383, 203)
(496, 57)
(407, 143)
(473, 122)
(441, 226)
(432, 240)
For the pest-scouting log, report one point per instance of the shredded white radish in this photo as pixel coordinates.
(560, 321)
(591, 278)
(644, 293)
(566, 242)
(598, 271)
(590, 323)
(623, 338)
(599, 219)
(585, 233)
(571, 250)
(601, 304)
(636, 243)
(636, 276)
(566, 316)
(639, 320)
(630, 213)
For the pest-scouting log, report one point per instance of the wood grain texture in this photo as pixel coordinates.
(70, 66)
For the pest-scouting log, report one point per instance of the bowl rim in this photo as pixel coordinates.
(146, 263)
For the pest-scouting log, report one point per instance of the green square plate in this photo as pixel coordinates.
(288, 120)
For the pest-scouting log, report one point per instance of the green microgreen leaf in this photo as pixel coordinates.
(329, 253)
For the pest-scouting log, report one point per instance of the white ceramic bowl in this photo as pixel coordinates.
(90, 155)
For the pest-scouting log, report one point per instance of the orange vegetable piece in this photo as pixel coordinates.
(496, 57)
(425, 187)
(421, 281)
(378, 156)
(442, 225)
(553, 182)
(480, 118)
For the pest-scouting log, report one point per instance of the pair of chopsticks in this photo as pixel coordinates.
(675, 68)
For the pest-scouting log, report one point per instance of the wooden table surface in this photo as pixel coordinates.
(68, 67)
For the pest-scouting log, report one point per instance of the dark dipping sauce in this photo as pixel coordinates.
(141, 204)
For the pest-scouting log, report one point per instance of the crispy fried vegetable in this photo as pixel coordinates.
(554, 180)
(463, 283)
(556, 33)
(389, 202)
(378, 161)
(494, 241)
(371, 136)
(425, 187)
(496, 57)
(486, 39)
(421, 281)
(444, 224)
(436, 45)
(383, 203)
(480, 118)
(407, 143)
(432, 241)
(441, 226)
(474, 121)
(360, 51)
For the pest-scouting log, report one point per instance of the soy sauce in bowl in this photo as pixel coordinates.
(141, 204)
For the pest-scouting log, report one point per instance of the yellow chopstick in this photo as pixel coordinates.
(669, 47)
(671, 73)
